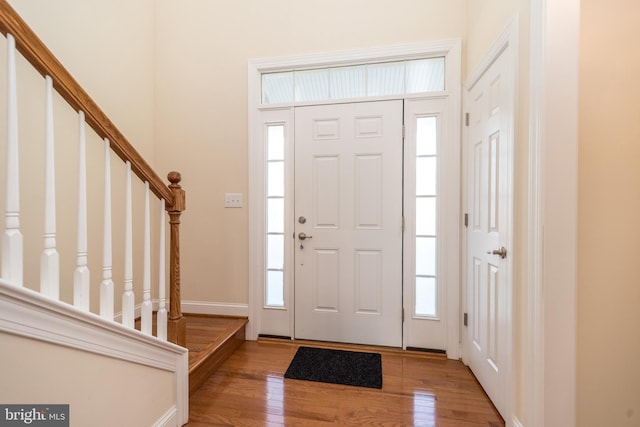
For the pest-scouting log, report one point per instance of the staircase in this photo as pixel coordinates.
(104, 310)
(210, 340)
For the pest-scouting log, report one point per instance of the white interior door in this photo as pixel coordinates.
(489, 154)
(348, 203)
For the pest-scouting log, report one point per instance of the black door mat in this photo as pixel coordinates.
(337, 367)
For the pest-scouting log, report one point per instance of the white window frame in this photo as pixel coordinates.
(281, 319)
(422, 331)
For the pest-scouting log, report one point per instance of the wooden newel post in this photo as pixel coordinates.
(176, 327)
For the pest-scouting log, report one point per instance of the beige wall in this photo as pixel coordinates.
(101, 391)
(486, 20)
(608, 227)
(201, 103)
(108, 47)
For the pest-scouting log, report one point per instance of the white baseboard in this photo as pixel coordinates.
(170, 419)
(138, 310)
(215, 308)
(198, 307)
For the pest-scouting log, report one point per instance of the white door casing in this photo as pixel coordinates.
(348, 189)
(270, 320)
(489, 203)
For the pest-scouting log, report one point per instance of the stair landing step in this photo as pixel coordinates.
(211, 340)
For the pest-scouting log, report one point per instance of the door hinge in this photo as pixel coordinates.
(403, 225)
(404, 131)
(403, 315)
(466, 220)
(465, 319)
(466, 119)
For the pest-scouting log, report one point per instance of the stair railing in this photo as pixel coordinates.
(21, 39)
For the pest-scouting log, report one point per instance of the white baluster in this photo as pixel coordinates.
(50, 260)
(161, 317)
(12, 246)
(106, 286)
(147, 306)
(81, 274)
(128, 307)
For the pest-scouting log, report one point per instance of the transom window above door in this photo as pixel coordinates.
(396, 78)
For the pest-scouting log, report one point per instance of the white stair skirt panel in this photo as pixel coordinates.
(29, 314)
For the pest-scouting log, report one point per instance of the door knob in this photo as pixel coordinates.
(302, 236)
(502, 252)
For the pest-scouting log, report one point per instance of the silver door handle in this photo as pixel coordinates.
(502, 252)
(302, 236)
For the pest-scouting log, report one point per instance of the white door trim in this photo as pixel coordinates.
(442, 331)
(533, 378)
(506, 44)
(450, 49)
(550, 352)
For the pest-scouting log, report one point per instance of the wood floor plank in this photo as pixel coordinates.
(249, 389)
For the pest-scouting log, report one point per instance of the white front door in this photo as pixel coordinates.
(489, 154)
(348, 203)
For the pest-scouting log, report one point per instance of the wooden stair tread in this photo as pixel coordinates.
(206, 334)
(211, 340)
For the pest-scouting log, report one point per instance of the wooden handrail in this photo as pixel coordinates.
(41, 58)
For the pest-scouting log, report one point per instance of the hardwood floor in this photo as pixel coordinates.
(249, 389)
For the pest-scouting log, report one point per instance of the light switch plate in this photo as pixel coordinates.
(233, 200)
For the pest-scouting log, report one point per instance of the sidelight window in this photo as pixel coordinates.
(425, 217)
(274, 286)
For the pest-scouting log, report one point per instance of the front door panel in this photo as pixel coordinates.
(348, 204)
